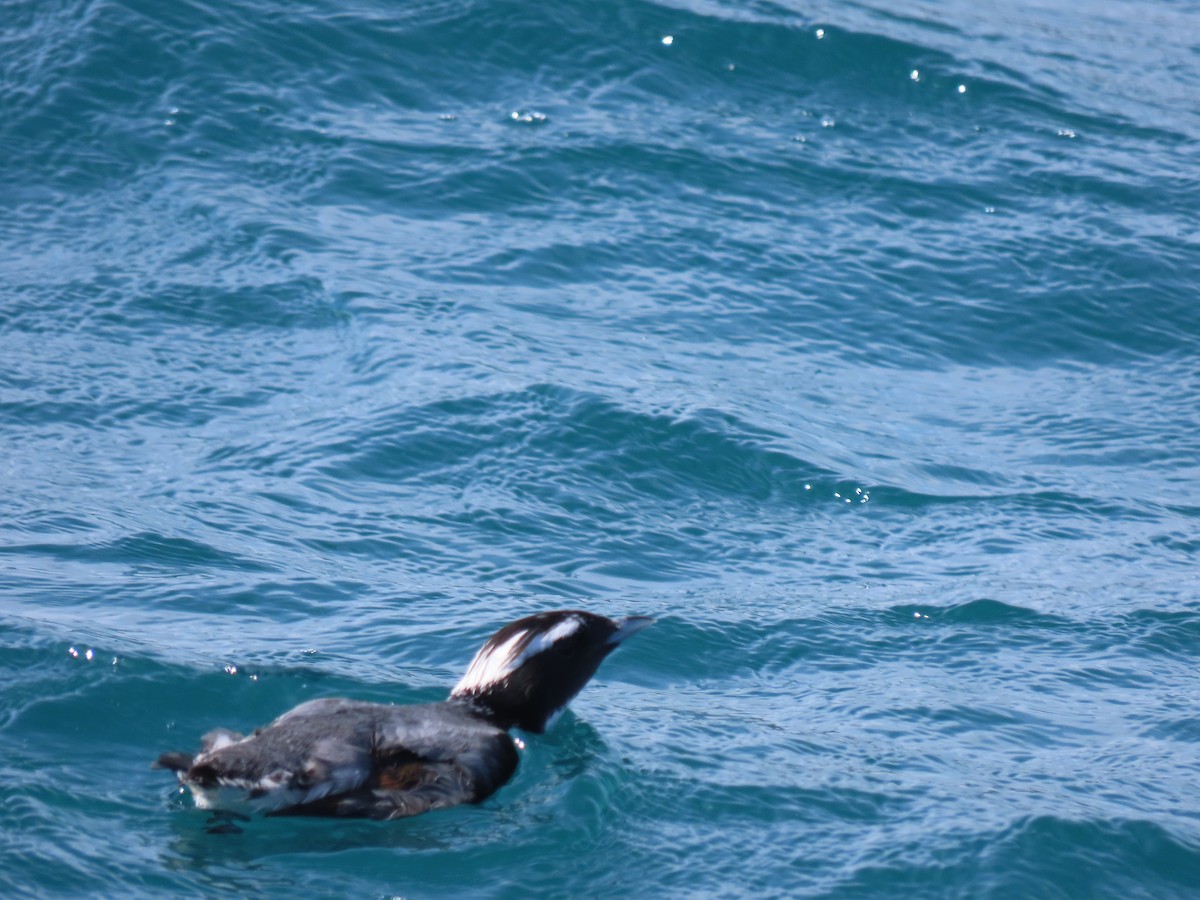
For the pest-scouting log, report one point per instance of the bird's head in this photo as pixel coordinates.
(527, 672)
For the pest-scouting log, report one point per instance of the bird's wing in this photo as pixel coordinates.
(317, 749)
(432, 758)
(270, 771)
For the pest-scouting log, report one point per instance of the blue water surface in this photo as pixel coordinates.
(858, 343)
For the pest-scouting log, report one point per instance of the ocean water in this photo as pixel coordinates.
(859, 343)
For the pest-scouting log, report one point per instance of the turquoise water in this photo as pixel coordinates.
(858, 343)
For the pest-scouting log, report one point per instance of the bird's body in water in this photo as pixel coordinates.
(336, 757)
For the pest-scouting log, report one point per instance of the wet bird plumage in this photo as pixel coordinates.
(337, 757)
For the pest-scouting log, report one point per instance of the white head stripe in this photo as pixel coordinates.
(493, 663)
(489, 665)
(563, 629)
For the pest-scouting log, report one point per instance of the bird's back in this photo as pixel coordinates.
(335, 757)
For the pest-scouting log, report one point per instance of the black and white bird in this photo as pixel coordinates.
(336, 757)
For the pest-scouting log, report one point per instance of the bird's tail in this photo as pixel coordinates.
(176, 762)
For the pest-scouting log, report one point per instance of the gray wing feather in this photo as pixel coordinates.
(344, 758)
